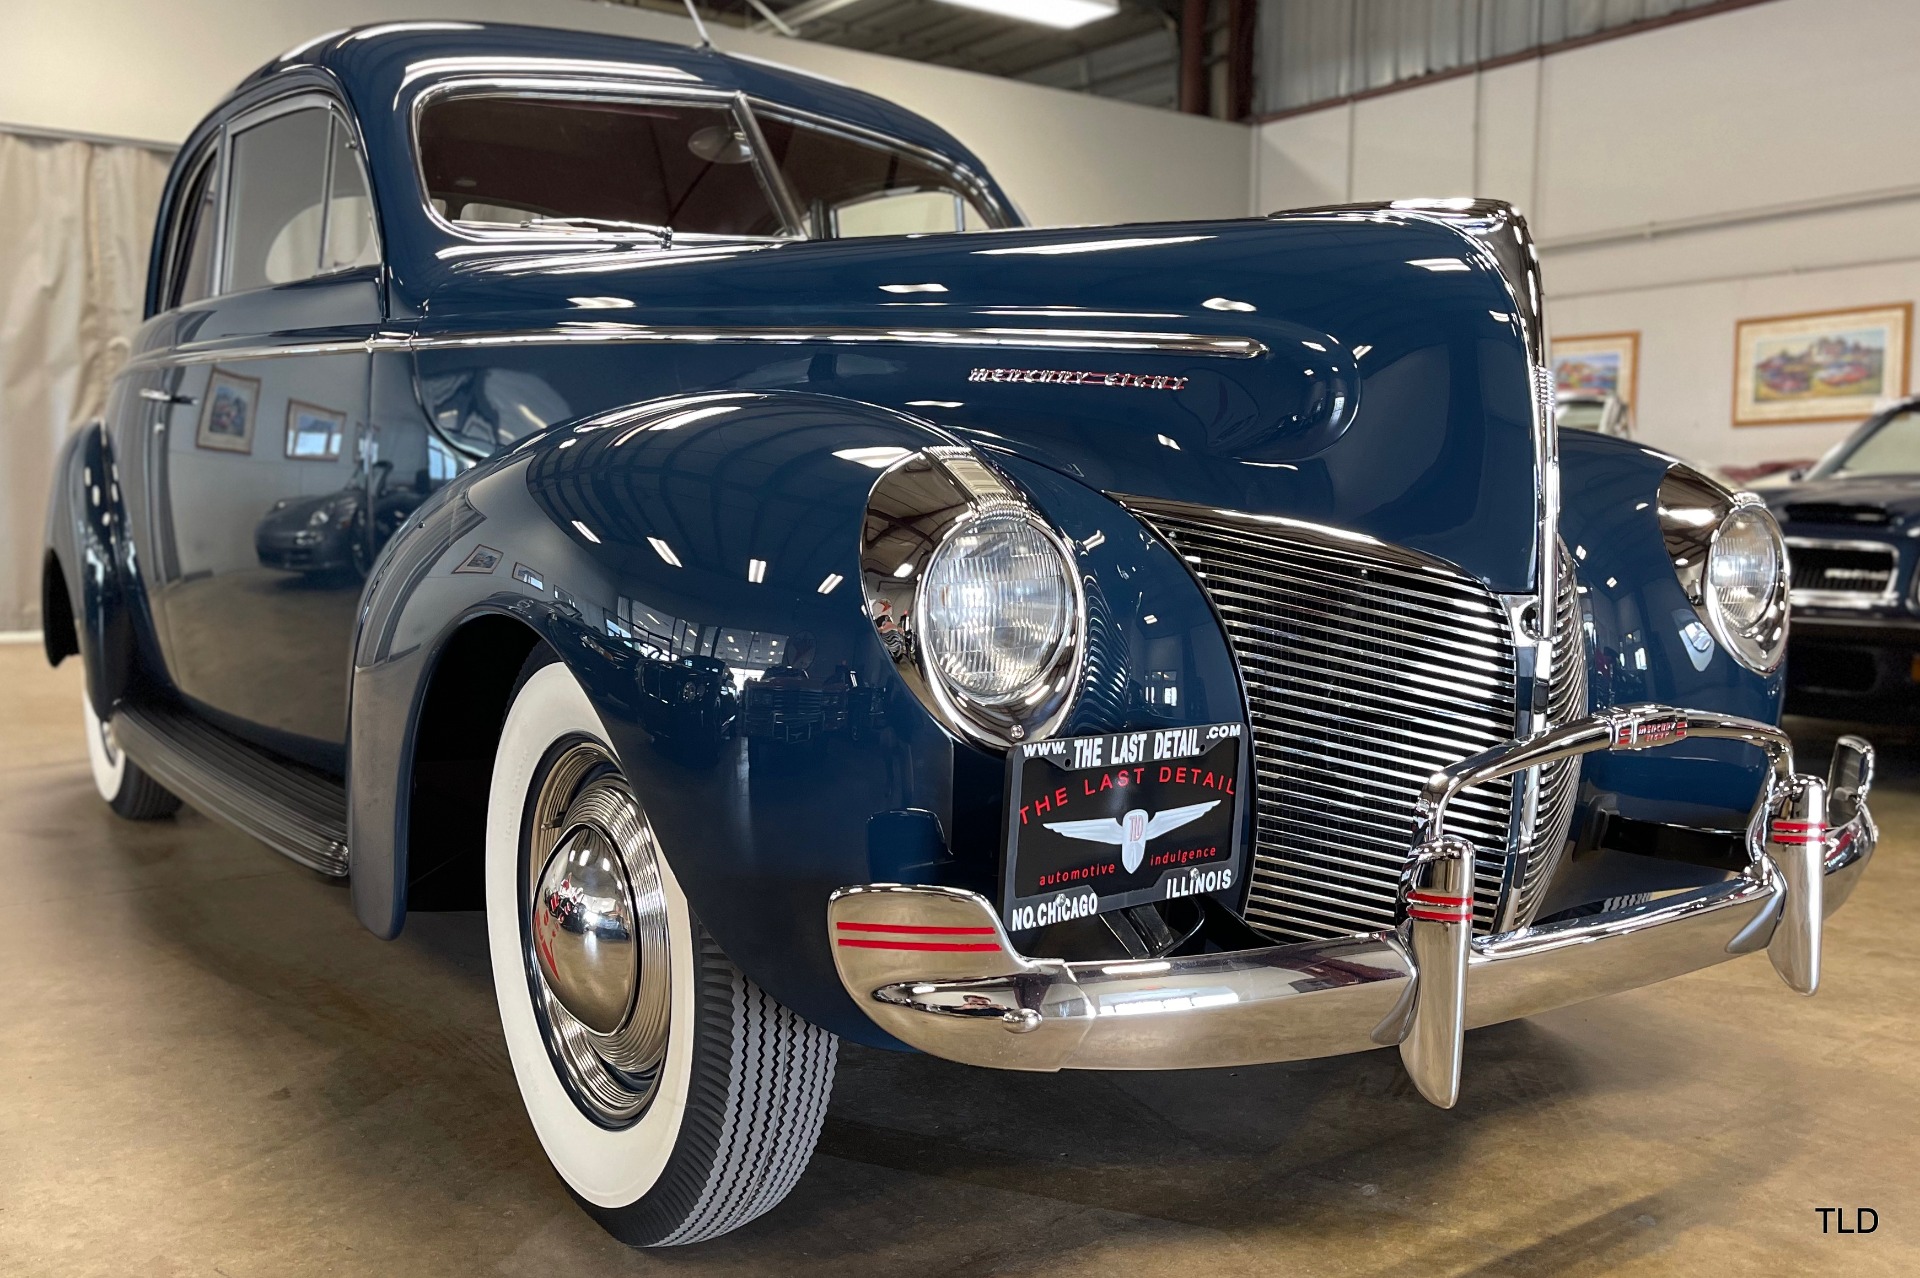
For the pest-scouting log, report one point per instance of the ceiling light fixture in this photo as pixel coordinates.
(1063, 14)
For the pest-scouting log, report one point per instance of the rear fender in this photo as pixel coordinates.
(86, 546)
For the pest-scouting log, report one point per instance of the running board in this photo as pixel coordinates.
(293, 809)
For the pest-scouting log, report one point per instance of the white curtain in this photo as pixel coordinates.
(76, 218)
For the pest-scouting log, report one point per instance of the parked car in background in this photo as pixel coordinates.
(1766, 474)
(1603, 414)
(338, 531)
(1850, 526)
(1164, 646)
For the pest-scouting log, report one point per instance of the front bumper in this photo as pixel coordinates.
(934, 967)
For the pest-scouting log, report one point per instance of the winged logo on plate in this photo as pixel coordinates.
(1131, 831)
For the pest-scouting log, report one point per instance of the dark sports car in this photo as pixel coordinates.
(333, 532)
(1850, 525)
(1165, 646)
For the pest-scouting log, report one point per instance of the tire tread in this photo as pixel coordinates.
(141, 798)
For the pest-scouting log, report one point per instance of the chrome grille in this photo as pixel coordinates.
(1834, 512)
(1559, 783)
(1823, 569)
(1365, 668)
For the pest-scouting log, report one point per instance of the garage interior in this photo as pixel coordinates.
(210, 1066)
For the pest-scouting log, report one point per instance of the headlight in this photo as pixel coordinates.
(321, 515)
(1731, 561)
(975, 597)
(995, 608)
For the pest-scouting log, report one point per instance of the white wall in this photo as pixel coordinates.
(138, 69)
(1721, 120)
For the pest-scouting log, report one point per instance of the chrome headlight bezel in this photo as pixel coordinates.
(916, 508)
(1694, 512)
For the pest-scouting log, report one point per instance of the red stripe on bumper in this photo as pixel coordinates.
(1434, 898)
(942, 947)
(1440, 916)
(914, 931)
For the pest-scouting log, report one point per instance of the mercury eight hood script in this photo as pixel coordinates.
(1103, 822)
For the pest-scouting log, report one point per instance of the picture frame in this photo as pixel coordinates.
(314, 433)
(1598, 364)
(227, 415)
(1820, 366)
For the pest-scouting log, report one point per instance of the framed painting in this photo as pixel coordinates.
(1823, 366)
(1598, 364)
(314, 433)
(226, 423)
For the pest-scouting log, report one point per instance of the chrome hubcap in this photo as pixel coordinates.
(582, 931)
(596, 935)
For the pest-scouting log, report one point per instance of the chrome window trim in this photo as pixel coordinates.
(356, 143)
(1886, 598)
(305, 98)
(999, 217)
(338, 116)
(584, 88)
(173, 262)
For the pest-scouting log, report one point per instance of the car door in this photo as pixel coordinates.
(261, 482)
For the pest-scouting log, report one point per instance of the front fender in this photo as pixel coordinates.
(627, 540)
(1646, 644)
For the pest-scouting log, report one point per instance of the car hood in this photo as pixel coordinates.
(1362, 370)
(1898, 495)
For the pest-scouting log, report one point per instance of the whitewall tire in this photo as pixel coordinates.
(674, 1097)
(126, 787)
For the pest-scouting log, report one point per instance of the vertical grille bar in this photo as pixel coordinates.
(1366, 668)
(1559, 782)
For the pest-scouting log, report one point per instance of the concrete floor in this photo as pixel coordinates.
(207, 1067)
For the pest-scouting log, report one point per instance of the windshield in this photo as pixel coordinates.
(560, 164)
(1893, 448)
(495, 162)
(1582, 414)
(847, 187)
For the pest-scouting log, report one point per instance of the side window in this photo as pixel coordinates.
(847, 187)
(276, 214)
(194, 225)
(350, 235)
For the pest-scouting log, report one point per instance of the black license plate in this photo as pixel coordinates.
(1103, 822)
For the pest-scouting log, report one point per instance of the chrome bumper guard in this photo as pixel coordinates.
(934, 967)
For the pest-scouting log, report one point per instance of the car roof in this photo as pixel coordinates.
(385, 62)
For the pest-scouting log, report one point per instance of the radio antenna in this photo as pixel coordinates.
(693, 11)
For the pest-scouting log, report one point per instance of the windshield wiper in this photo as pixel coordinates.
(662, 233)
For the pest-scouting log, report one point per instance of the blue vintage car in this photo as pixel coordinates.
(1850, 525)
(1144, 647)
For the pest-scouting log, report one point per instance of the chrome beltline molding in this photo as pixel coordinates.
(838, 335)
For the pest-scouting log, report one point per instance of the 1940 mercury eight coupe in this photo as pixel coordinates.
(810, 604)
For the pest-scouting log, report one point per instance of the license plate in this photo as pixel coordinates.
(1103, 822)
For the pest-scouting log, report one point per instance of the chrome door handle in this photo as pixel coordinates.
(164, 397)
